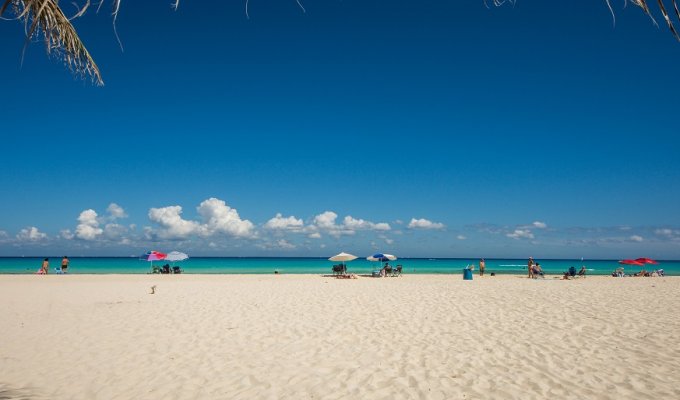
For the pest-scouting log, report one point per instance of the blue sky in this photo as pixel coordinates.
(431, 129)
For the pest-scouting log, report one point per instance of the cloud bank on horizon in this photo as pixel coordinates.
(219, 228)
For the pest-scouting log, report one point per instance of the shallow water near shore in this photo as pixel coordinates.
(284, 265)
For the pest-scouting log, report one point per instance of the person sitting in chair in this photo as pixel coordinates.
(582, 271)
(385, 270)
(538, 271)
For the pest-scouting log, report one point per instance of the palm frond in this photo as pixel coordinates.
(46, 20)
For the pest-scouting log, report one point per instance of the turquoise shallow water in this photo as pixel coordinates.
(214, 265)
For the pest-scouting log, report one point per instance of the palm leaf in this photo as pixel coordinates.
(46, 20)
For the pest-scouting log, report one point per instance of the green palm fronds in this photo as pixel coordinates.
(45, 19)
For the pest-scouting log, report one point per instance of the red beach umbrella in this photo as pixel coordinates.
(646, 260)
(631, 262)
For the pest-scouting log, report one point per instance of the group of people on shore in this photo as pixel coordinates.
(534, 269)
(45, 266)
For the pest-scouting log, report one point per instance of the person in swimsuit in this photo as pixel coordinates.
(45, 267)
(64, 264)
(530, 267)
(482, 266)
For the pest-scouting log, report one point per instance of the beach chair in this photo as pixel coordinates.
(538, 273)
(572, 272)
(176, 270)
(397, 271)
(388, 271)
(338, 269)
(156, 270)
(165, 269)
(582, 272)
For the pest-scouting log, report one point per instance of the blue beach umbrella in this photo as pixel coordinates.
(381, 257)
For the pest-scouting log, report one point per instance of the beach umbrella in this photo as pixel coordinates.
(343, 257)
(176, 256)
(152, 256)
(645, 260)
(381, 257)
(631, 262)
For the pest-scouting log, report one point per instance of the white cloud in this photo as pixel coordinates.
(279, 222)
(114, 231)
(218, 217)
(520, 234)
(636, 238)
(539, 225)
(461, 237)
(116, 211)
(173, 226)
(31, 234)
(66, 234)
(386, 239)
(423, 223)
(88, 225)
(315, 235)
(326, 220)
(359, 224)
(668, 233)
(284, 244)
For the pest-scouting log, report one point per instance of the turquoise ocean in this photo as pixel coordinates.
(254, 265)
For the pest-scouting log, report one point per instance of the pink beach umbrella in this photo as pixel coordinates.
(152, 256)
(646, 260)
(631, 262)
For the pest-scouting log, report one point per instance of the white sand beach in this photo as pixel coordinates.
(303, 337)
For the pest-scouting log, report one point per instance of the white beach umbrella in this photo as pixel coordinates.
(343, 257)
(176, 256)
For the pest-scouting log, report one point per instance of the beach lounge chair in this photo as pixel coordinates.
(165, 269)
(582, 272)
(176, 270)
(397, 271)
(572, 272)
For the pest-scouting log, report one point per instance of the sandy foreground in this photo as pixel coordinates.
(304, 337)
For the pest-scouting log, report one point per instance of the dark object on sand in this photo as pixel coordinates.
(339, 269)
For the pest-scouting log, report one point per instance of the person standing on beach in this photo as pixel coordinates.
(45, 267)
(64, 265)
(482, 265)
(530, 267)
